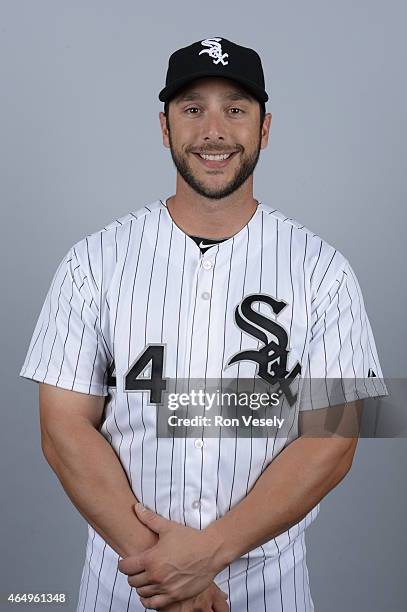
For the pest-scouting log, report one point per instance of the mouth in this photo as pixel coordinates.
(215, 160)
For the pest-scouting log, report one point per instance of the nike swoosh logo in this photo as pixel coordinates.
(202, 245)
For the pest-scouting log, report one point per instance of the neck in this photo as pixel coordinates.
(200, 216)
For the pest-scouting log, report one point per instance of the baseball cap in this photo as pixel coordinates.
(216, 57)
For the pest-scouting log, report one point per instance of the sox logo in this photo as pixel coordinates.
(215, 50)
(271, 359)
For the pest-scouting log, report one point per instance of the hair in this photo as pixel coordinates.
(261, 104)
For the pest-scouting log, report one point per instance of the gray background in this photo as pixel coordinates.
(80, 145)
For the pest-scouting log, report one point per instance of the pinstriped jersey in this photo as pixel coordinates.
(141, 284)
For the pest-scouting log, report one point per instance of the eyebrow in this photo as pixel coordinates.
(190, 96)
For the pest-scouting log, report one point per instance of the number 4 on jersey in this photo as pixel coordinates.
(137, 378)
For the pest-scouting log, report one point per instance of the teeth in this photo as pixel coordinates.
(216, 157)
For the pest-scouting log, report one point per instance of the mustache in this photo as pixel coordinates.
(220, 149)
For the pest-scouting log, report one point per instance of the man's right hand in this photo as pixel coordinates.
(212, 599)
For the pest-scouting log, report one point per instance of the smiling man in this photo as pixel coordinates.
(209, 284)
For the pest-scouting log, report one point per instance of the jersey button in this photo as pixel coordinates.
(198, 443)
(206, 295)
(196, 504)
(207, 264)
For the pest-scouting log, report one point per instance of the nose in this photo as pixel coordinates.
(213, 127)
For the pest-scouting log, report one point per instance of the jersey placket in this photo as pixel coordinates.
(193, 503)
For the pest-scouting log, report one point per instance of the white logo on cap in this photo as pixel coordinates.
(215, 50)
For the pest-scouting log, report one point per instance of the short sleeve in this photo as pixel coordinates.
(67, 348)
(342, 363)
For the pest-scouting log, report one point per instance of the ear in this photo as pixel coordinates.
(164, 130)
(265, 130)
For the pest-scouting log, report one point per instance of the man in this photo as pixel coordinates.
(204, 284)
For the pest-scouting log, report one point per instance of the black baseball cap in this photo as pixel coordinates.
(216, 57)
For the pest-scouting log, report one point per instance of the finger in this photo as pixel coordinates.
(139, 580)
(176, 607)
(220, 605)
(149, 590)
(132, 564)
(156, 602)
(151, 519)
(221, 593)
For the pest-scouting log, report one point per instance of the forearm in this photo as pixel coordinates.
(94, 480)
(288, 489)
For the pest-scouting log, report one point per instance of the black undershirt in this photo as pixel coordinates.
(206, 242)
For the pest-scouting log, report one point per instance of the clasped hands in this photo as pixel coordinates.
(177, 573)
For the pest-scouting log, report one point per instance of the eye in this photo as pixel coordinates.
(236, 110)
(191, 108)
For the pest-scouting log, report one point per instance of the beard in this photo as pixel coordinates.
(245, 169)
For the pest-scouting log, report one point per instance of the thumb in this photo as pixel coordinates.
(151, 519)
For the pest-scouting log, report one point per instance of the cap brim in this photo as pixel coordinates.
(168, 92)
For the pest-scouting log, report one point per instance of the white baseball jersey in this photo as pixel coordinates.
(140, 288)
